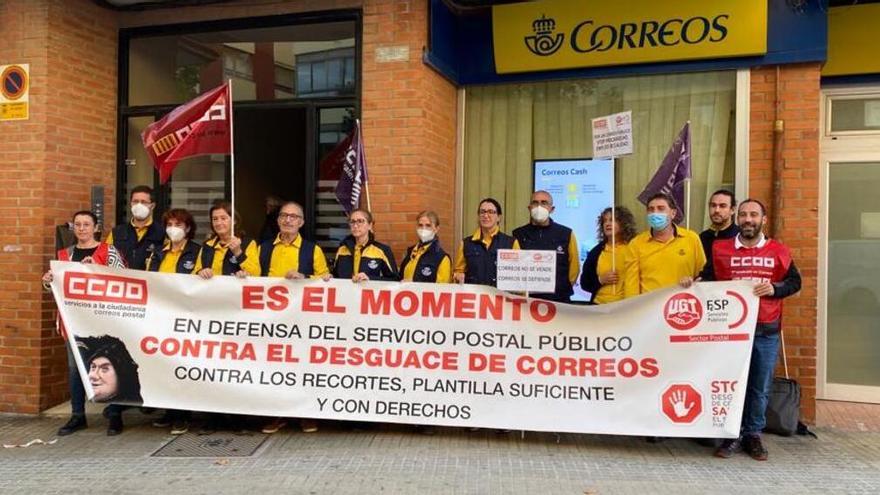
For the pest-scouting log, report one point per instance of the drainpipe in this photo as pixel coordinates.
(778, 163)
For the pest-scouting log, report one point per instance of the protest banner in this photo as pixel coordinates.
(669, 363)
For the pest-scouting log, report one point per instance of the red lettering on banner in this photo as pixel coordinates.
(252, 297)
(493, 363)
(280, 353)
(605, 368)
(211, 349)
(383, 358)
(461, 305)
(313, 300)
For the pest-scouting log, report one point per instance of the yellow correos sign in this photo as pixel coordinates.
(563, 34)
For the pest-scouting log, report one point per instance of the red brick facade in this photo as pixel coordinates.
(794, 213)
(409, 118)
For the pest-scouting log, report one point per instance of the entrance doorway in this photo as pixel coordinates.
(849, 258)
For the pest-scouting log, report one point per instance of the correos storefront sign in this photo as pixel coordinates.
(564, 34)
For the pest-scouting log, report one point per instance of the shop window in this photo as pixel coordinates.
(507, 127)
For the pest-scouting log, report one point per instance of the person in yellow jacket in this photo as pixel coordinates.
(426, 261)
(477, 255)
(290, 256)
(225, 252)
(178, 255)
(602, 275)
(665, 254)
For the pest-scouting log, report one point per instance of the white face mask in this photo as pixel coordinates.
(175, 233)
(140, 211)
(425, 235)
(540, 214)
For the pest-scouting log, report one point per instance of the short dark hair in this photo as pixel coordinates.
(494, 203)
(760, 204)
(182, 216)
(728, 193)
(86, 213)
(141, 189)
(665, 197)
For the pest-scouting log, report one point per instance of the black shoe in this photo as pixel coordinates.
(180, 427)
(164, 421)
(115, 426)
(753, 446)
(76, 422)
(728, 447)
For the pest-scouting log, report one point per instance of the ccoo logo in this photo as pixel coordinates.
(543, 42)
(104, 288)
(683, 311)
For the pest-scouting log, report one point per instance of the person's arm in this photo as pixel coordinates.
(444, 271)
(515, 244)
(460, 262)
(389, 268)
(789, 285)
(109, 239)
(699, 256)
(632, 274)
(574, 262)
(319, 261)
(251, 263)
(590, 275)
(199, 266)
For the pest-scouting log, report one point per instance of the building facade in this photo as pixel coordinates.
(448, 117)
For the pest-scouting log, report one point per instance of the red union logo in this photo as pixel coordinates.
(681, 403)
(509, 256)
(104, 288)
(683, 311)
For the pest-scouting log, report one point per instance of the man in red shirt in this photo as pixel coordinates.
(752, 256)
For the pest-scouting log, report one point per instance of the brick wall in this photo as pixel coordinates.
(47, 164)
(795, 215)
(409, 121)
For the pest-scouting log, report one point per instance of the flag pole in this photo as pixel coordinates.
(613, 219)
(231, 154)
(687, 182)
(366, 177)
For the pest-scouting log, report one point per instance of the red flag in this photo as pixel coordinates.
(199, 127)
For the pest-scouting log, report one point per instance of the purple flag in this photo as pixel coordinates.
(671, 174)
(353, 175)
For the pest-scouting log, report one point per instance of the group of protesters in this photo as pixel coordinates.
(623, 264)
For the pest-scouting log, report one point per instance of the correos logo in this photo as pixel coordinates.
(544, 42)
(683, 311)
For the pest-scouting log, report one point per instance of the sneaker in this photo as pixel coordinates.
(75, 423)
(115, 426)
(307, 425)
(728, 447)
(753, 446)
(180, 427)
(274, 425)
(165, 421)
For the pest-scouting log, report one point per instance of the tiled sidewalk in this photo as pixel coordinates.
(394, 459)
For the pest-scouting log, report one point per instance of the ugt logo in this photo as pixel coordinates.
(543, 43)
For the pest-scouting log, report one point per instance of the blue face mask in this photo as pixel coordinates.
(658, 221)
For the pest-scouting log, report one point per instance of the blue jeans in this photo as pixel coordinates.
(764, 352)
(77, 392)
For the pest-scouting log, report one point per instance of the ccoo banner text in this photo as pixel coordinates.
(670, 363)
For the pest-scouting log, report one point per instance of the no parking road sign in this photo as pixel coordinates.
(14, 85)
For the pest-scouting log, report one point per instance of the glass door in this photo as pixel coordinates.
(852, 370)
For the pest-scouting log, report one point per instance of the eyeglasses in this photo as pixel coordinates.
(357, 221)
(487, 212)
(289, 216)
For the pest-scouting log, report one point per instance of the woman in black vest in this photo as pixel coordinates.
(475, 261)
(426, 261)
(178, 255)
(360, 257)
(226, 250)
